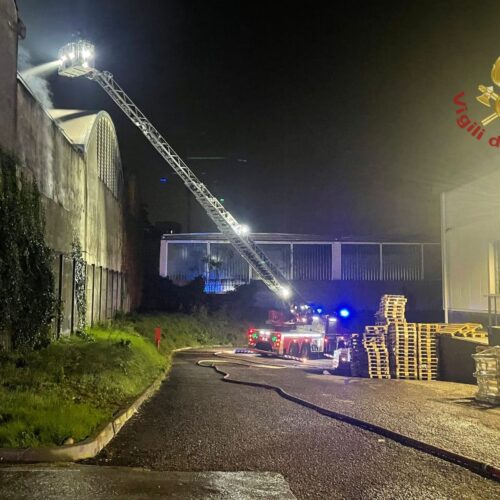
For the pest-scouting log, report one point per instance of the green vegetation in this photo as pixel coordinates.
(80, 272)
(197, 329)
(27, 299)
(76, 384)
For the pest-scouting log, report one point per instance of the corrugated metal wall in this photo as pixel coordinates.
(312, 262)
(360, 262)
(223, 269)
(402, 262)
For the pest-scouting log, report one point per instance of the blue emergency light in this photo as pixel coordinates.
(344, 313)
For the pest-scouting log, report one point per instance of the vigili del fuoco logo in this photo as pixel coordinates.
(487, 98)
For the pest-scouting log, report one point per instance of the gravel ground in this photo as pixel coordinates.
(196, 422)
(440, 413)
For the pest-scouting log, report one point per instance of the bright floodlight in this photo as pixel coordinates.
(243, 229)
(285, 292)
(76, 59)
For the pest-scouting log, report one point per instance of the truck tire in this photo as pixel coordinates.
(305, 352)
(263, 346)
(293, 350)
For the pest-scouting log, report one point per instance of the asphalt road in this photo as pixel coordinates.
(196, 422)
(442, 414)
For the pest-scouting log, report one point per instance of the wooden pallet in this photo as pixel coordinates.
(404, 360)
(464, 328)
(404, 355)
(427, 354)
(429, 327)
(377, 329)
(407, 376)
(472, 335)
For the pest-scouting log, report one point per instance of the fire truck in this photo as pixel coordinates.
(304, 335)
(301, 336)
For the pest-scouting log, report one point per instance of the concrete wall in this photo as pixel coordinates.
(8, 63)
(78, 204)
(59, 169)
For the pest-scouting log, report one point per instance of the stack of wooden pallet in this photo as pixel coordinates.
(394, 348)
(391, 308)
(428, 358)
(466, 330)
(359, 358)
(375, 344)
(403, 350)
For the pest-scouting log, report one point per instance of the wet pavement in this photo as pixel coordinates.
(93, 482)
(196, 422)
(443, 414)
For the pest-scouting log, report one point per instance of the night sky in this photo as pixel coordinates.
(330, 118)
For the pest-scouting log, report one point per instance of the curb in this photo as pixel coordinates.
(90, 447)
(481, 468)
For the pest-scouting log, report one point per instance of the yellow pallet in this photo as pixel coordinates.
(454, 328)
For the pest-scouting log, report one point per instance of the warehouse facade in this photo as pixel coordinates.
(470, 234)
(321, 268)
(74, 157)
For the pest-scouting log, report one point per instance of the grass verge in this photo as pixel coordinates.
(74, 386)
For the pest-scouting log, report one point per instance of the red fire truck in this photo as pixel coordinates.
(304, 335)
(295, 338)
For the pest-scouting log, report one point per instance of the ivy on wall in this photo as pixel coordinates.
(28, 302)
(80, 278)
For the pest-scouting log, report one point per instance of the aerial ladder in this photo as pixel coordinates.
(76, 60)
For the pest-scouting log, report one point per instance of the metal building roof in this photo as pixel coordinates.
(76, 124)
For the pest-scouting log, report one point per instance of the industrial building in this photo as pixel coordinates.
(326, 270)
(74, 157)
(470, 229)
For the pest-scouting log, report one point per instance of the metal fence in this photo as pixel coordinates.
(105, 289)
(223, 269)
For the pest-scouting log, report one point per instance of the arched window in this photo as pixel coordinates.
(108, 156)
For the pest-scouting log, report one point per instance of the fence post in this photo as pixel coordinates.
(100, 294)
(92, 300)
(106, 294)
(60, 295)
(73, 291)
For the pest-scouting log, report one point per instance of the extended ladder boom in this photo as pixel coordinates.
(222, 218)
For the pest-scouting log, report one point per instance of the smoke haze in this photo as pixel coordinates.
(34, 77)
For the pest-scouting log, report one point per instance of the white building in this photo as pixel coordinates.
(470, 236)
